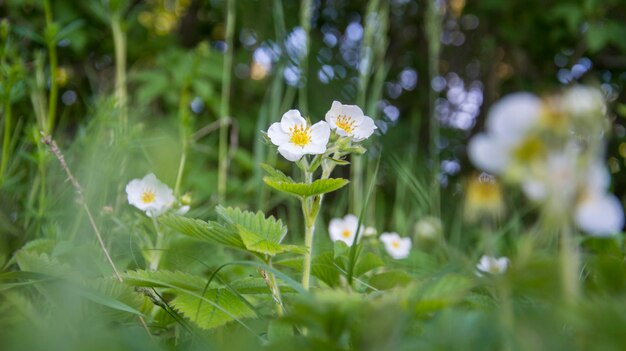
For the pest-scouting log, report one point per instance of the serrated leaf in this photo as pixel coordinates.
(274, 173)
(320, 186)
(41, 263)
(212, 232)
(269, 228)
(259, 244)
(210, 316)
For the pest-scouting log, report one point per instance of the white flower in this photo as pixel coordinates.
(150, 195)
(344, 229)
(370, 231)
(513, 116)
(508, 124)
(583, 102)
(295, 138)
(349, 121)
(600, 214)
(396, 246)
(492, 265)
(182, 210)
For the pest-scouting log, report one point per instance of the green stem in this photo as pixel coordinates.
(433, 29)
(224, 105)
(184, 121)
(570, 263)
(157, 252)
(119, 41)
(52, 55)
(7, 130)
(305, 23)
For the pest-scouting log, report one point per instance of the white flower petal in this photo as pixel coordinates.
(364, 130)
(513, 115)
(600, 214)
(290, 152)
(290, 119)
(488, 154)
(277, 135)
(331, 115)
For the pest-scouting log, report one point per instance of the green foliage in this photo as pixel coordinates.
(317, 187)
(225, 307)
(217, 306)
(211, 232)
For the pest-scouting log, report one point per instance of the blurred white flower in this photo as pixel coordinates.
(344, 229)
(295, 138)
(583, 102)
(600, 214)
(349, 120)
(182, 210)
(396, 246)
(370, 231)
(508, 124)
(150, 195)
(492, 265)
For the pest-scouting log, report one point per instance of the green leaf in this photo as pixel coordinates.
(390, 279)
(226, 307)
(211, 232)
(320, 186)
(259, 244)
(276, 174)
(162, 279)
(442, 292)
(366, 263)
(105, 295)
(268, 228)
(325, 269)
(255, 286)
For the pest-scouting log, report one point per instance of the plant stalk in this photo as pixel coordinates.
(53, 60)
(305, 23)
(570, 264)
(224, 105)
(121, 96)
(433, 30)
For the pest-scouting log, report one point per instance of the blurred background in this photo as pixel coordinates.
(132, 87)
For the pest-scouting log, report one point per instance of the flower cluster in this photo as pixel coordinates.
(153, 197)
(296, 137)
(552, 147)
(345, 230)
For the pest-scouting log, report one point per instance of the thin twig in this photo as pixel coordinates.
(46, 139)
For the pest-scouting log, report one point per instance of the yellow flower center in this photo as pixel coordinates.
(346, 123)
(148, 196)
(300, 135)
(346, 233)
(530, 150)
(395, 244)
